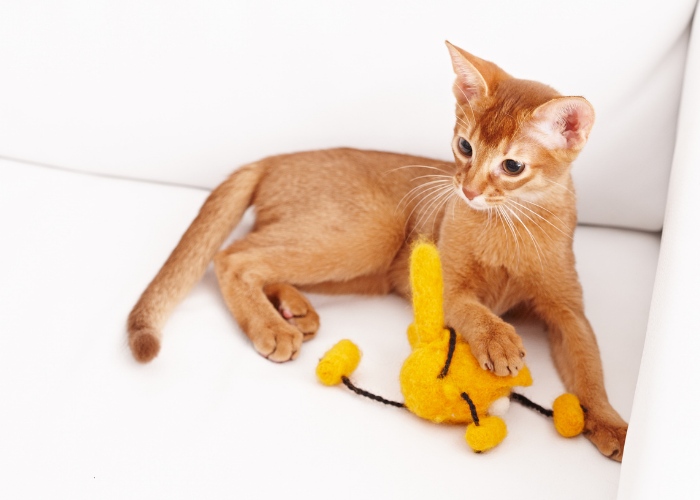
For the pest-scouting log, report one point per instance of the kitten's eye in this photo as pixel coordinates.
(465, 147)
(513, 167)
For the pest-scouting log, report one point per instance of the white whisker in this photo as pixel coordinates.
(427, 194)
(492, 220)
(543, 218)
(486, 227)
(440, 203)
(439, 196)
(500, 219)
(532, 237)
(559, 185)
(511, 226)
(464, 123)
(469, 103)
(535, 222)
(420, 190)
(421, 186)
(414, 166)
(543, 208)
(437, 176)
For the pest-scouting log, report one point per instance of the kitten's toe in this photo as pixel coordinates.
(278, 345)
(294, 308)
(306, 321)
(500, 351)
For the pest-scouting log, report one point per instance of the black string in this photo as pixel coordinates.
(472, 408)
(450, 353)
(369, 395)
(519, 398)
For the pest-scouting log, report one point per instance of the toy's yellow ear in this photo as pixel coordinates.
(426, 286)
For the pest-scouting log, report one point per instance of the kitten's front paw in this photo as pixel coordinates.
(608, 433)
(499, 349)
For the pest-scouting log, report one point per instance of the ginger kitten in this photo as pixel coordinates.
(343, 221)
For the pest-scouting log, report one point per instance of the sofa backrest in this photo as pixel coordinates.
(184, 92)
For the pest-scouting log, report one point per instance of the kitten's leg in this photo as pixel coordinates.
(294, 308)
(494, 342)
(242, 277)
(577, 358)
(251, 272)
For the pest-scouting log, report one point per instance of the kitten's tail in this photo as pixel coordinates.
(221, 212)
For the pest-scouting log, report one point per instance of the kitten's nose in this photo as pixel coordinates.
(470, 193)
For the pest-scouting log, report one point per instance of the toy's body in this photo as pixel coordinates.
(440, 396)
(441, 380)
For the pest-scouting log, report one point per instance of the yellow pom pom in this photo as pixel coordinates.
(568, 415)
(488, 434)
(341, 360)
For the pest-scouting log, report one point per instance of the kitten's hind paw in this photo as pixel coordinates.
(607, 434)
(278, 345)
(294, 308)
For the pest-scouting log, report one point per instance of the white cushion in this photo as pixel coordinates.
(209, 418)
(184, 92)
(660, 457)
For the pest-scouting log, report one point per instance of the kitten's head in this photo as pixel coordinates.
(514, 139)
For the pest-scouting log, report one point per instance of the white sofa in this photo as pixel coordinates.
(116, 118)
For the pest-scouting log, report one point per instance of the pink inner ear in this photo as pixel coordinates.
(578, 121)
(467, 88)
(564, 122)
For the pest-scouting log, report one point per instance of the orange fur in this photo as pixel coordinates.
(343, 220)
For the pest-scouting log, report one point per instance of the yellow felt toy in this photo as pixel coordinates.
(441, 380)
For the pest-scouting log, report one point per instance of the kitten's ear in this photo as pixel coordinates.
(470, 84)
(564, 123)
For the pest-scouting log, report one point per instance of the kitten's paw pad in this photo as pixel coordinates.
(294, 308)
(305, 320)
(500, 351)
(279, 346)
(608, 436)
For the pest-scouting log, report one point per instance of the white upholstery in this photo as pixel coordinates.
(664, 438)
(185, 92)
(209, 418)
(182, 93)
